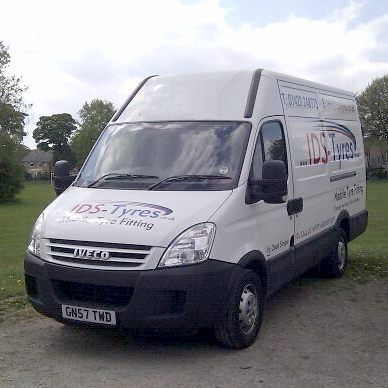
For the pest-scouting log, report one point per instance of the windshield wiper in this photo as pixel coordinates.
(187, 178)
(118, 176)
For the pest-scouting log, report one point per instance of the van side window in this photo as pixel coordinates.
(271, 145)
(272, 142)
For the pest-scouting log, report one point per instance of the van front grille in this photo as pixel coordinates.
(96, 253)
(91, 293)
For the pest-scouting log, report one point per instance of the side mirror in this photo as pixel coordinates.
(62, 178)
(273, 185)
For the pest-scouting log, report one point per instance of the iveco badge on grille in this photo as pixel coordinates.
(91, 254)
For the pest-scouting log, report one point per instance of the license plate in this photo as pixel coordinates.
(84, 314)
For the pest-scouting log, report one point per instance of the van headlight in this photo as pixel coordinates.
(190, 247)
(36, 236)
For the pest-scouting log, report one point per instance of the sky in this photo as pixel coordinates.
(69, 52)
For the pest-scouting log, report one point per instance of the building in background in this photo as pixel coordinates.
(38, 163)
(376, 153)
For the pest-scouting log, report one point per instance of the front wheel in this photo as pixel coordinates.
(242, 321)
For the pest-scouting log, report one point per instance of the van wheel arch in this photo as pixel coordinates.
(343, 223)
(255, 261)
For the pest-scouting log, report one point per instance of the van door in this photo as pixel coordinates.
(312, 205)
(276, 227)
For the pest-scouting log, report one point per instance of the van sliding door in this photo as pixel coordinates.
(308, 143)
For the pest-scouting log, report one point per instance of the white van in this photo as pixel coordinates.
(203, 195)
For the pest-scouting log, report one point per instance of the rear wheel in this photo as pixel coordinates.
(334, 265)
(242, 321)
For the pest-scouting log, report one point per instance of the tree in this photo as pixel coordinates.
(12, 122)
(373, 108)
(21, 151)
(53, 133)
(94, 117)
(12, 105)
(11, 172)
(12, 118)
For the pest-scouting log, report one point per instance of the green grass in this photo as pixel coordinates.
(368, 254)
(368, 257)
(16, 220)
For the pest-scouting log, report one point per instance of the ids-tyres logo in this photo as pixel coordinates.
(324, 142)
(124, 208)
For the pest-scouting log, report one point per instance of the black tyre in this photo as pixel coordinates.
(334, 265)
(242, 321)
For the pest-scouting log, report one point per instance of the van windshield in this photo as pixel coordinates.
(196, 155)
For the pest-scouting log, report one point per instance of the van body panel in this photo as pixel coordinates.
(150, 218)
(260, 227)
(328, 163)
(358, 224)
(268, 101)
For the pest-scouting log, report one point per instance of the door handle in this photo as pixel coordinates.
(294, 206)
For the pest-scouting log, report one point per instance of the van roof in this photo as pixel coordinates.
(302, 81)
(221, 95)
(264, 72)
(195, 96)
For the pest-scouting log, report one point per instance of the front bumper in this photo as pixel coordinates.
(185, 298)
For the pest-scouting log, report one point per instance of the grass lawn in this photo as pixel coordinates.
(16, 220)
(368, 253)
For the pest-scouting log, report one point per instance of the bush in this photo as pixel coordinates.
(11, 172)
(377, 173)
(382, 174)
(43, 176)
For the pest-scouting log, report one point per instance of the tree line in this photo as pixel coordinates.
(72, 140)
(60, 133)
(69, 139)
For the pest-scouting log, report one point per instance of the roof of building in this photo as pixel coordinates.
(38, 156)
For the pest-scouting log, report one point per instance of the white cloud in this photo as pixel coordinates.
(70, 52)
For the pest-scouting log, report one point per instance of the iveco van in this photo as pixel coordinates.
(204, 194)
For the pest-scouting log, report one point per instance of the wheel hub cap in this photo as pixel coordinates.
(248, 309)
(341, 255)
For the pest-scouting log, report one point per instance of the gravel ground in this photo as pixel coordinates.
(315, 334)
